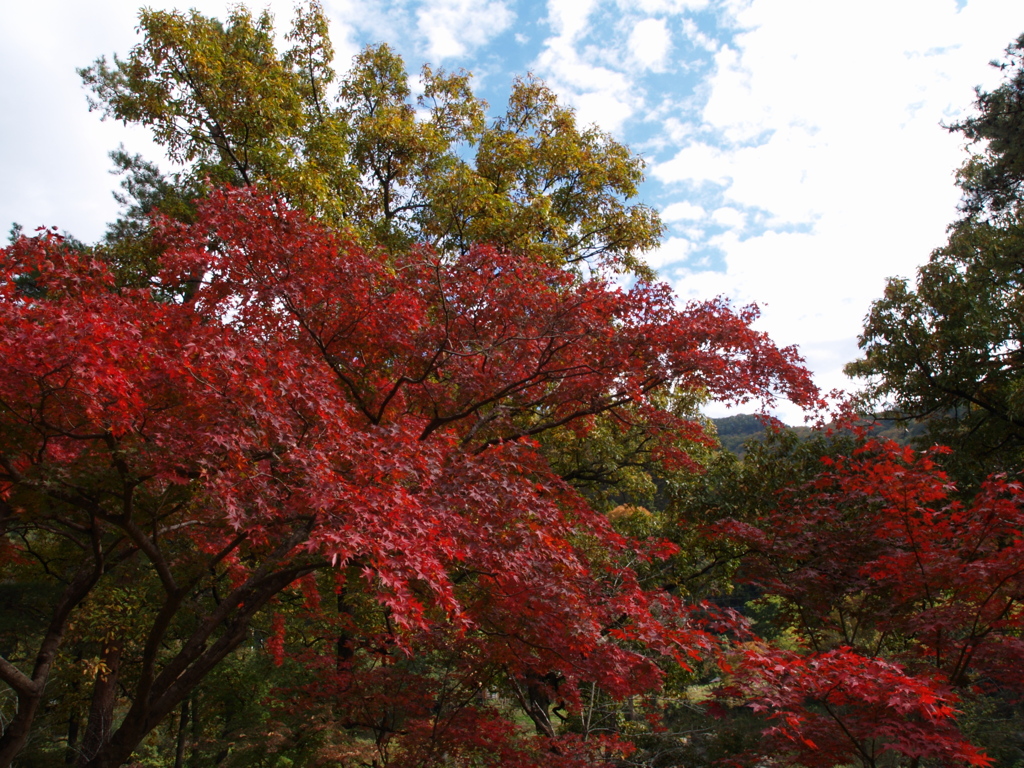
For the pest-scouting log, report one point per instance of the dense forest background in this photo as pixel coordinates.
(368, 438)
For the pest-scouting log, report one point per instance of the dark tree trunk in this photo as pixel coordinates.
(30, 690)
(16, 733)
(197, 733)
(345, 651)
(71, 755)
(162, 691)
(539, 703)
(104, 695)
(179, 750)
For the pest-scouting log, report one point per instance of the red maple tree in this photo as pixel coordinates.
(282, 406)
(904, 598)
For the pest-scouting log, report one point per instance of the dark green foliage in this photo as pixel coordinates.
(735, 431)
(993, 179)
(147, 191)
(948, 350)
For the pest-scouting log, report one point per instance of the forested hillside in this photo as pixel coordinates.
(367, 437)
(734, 432)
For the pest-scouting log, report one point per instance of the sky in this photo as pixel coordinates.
(795, 148)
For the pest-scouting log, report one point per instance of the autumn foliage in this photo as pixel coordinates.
(902, 599)
(281, 412)
(348, 466)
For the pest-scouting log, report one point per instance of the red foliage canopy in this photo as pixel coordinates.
(841, 707)
(922, 593)
(304, 405)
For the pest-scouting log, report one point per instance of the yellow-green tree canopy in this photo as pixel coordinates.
(359, 151)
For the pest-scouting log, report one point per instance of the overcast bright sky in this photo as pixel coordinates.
(794, 147)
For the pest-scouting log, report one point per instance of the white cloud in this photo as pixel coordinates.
(569, 17)
(729, 217)
(649, 43)
(699, 38)
(453, 28)
(683, 211)
(672, 249)
(843, 140)
(663, 6)
(696, 162)
(804, 285)
(599, 53)
(601, 95)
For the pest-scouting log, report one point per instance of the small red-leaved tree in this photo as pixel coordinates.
(902, 600)
(283, 408)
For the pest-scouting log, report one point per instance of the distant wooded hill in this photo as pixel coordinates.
(735, 431)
